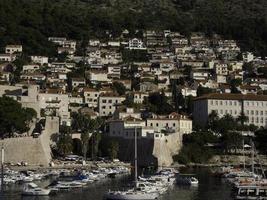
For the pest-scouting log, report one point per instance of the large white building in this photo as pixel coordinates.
(98, 76)
(173, 123)
(108, 103)
(91, 97)
(128, 123)
(128, 127)
(53, 103)
(253, 106)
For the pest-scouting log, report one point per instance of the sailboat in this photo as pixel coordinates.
(136, 193)
(31, 189)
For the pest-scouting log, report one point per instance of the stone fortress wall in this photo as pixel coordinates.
(34, 151)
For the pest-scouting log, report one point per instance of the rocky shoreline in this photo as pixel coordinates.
(227, 160)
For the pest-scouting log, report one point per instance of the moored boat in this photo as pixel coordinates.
(31, 189)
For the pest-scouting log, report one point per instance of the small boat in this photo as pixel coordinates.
(191, 181)
(31, 189)
(130, 195)
(112, 175)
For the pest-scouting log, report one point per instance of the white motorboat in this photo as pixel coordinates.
(71, 184)
(193, 181)
(31, 189)
(131, 195)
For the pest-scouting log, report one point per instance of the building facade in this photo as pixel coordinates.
(108, 103)
(252, 106)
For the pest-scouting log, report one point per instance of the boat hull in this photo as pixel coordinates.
(144, 196)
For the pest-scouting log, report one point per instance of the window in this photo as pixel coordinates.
(110, 101)
(173, 124)
(216, 102)
(103, 107)
(221, 102)
(247, 112)
(110, 107)
(151, 124)
(257, 112)
(167, 124)
(95, 95)
(261, 112)
(252, 112)
(230, 103)
(104, 101)
(157, 124)
(211, 102)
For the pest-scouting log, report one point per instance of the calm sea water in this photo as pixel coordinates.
(210, 188)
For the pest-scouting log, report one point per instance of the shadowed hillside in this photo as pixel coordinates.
(32, 21)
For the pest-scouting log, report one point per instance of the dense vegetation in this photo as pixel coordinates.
(32, 21)
(92, 143)
(13, 117)
(221, 136)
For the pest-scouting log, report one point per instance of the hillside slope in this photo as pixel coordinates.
(32, 21)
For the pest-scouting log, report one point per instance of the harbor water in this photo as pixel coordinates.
(209, 188)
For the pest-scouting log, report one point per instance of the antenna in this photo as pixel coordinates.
(2, 171)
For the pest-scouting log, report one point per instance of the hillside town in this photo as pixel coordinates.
(158, 84)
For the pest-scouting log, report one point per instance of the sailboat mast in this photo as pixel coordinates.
(252, 155)
(244, 157)
(2, 171)
(135, 155)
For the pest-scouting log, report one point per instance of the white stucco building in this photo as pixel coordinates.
(172, 123)
(39, 60)
(136, 44)
(108, 103)
(253, 106)
(10, 49)
(98, 76)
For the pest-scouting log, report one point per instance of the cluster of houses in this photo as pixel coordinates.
(46, 85)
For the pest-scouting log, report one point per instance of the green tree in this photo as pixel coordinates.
(203, 90)
(64, 143)
(159, 103)
(14, 118)
(88, 128)
(119, 88)
(232, 140)
(242, 119)
(261, 140)
(113, 149)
